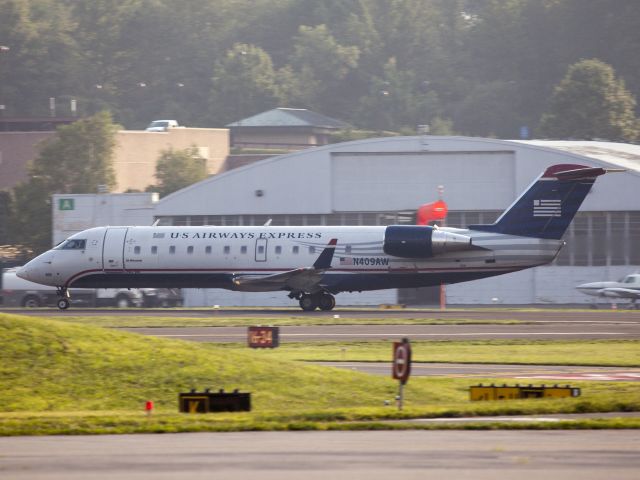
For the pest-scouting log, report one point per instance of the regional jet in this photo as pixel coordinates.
(628, 288)
(312, 264)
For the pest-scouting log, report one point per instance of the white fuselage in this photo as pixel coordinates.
(212, 256)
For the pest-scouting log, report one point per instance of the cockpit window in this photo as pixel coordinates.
(72, 244)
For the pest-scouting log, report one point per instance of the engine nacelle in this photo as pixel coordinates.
(412, 241)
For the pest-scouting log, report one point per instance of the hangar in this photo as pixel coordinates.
(381, 181)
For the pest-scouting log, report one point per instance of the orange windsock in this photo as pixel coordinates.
(431, 211)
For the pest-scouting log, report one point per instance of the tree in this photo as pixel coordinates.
(78, 159)
(322, 66)
(177, 169)
(591, 103)
(243, 84)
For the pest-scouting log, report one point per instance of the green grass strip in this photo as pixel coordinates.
(622, 353)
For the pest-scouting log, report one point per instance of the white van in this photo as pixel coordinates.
(17, 292)
(162, 125)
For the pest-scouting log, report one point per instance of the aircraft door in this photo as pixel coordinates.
(261, 250)
(113, 249)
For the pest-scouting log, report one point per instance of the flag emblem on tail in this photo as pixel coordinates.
(547, 208)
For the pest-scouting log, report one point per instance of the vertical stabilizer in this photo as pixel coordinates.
(547, 207)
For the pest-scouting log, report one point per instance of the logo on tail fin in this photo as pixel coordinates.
(547, 208)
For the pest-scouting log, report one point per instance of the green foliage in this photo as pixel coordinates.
(177, 169)
(55, 366)
(60, 378)
(5, 209)
(78, 159)
(321, 65)
(593, 353)
(591, 103)
(244, 83)
(490, 66)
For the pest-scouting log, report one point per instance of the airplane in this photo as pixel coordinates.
(626, 288)
(314, 263)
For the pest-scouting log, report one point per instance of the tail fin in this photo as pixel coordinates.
(547, 207)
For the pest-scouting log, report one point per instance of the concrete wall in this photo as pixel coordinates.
(17, 149)
(283, 139)
(135, 156)
(137, 152)
(541, 285)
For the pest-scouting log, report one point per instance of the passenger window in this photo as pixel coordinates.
(190, 249)
(295, 249)
(243, 249)
(227, 249)
(347, 249)
(207, 249)
(312, 250)
(136, 249)
(172, 249)
(154, 250)
(261, 249)
(278, 250)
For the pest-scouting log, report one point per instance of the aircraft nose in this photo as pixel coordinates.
(589, 288)
(25, 272)
(34, 271)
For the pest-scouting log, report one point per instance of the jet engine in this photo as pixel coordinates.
(411, 241)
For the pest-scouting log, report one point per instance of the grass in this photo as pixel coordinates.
(622, 353)
(218, 319)
(62, 378)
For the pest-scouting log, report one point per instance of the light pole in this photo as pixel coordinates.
(3, 49)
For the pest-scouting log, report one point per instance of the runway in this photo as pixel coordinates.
(542, 330)
(525, 373)
(374, 455)
(489, 314)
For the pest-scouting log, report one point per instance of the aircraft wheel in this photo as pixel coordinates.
(31, 301)
(63, 303)
(308, 303)
(327, 302)
(122, 301)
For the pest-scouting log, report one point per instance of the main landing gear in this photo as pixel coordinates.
(323, 301)
(63, 300)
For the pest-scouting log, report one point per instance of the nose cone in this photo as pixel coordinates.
(26, 272)
(592, 288)
(36, 270)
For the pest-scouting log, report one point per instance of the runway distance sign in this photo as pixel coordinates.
(263, 337)
(401, 366)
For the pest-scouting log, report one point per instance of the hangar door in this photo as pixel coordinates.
(392, 181)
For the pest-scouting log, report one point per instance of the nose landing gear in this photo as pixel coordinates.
(63, 300)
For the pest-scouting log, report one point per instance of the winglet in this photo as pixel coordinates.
(324, 259)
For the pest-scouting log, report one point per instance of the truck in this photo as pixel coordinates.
(17, 292)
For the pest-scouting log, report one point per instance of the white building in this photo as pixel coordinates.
(382, 181)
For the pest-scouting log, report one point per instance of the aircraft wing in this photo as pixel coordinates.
(306, 279)
(619, 292)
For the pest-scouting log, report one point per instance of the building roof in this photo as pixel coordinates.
(233, 192)
(290, 117)
(623, 155)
